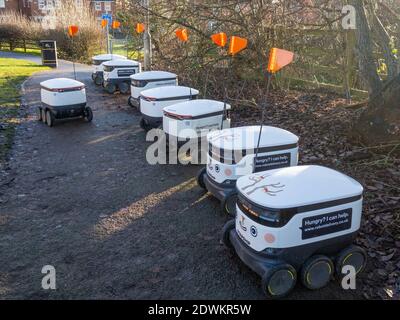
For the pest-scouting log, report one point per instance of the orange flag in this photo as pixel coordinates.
(182, 34)
(73, 30)
(219, 39)
(104, 23)
(279, 58)
(237, 44)
(140, 27)
(116, 24)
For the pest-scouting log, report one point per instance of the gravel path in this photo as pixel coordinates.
(82, 197)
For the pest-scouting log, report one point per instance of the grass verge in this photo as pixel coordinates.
(12, 73)
(34, 52)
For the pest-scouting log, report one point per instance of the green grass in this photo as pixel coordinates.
(12, 73)
(34, 52)
(121, 50)
(132, 54)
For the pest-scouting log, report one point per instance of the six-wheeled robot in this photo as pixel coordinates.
(189, 123)
(194, 119)
(117, 74)
(297, 222)
(97, 62)
(63, 98)
(233, 153)
(153, 101)
(148, 80)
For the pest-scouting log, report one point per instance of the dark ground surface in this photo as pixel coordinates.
(82, 197)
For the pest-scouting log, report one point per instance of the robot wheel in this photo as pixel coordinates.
(279, 281)
(230, 225)
(228, 204)
(316, 272)
(200, 178)
(354, 256)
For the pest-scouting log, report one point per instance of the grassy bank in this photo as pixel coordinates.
(12, 73)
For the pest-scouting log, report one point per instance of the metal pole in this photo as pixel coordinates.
(225, 93)
(108, 36)
(73, 58)
(147, 38)
(112, 41)
(263, 106)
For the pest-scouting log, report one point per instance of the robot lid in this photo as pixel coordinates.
(121, 63)
(108, 57)
(58, 84)
(293, 187)
(196, 108)
(246, 138)
(168, 93)
(153, 75)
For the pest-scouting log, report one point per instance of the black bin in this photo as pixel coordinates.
(49, 53)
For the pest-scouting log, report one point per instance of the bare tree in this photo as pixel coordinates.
(380, 121)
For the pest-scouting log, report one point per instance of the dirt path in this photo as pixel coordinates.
(81, 197)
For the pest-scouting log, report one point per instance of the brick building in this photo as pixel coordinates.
(37, 9)
(9, 5)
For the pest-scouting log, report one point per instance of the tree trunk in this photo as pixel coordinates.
(380, 121)
(384, 42)
(367, 63)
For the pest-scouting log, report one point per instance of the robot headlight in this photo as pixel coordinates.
(261, 215)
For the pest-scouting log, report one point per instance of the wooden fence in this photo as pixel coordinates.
(324, 59)
(19, 44)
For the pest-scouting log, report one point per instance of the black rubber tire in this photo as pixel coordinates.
(143, 124)
(200, 178)
(111, 88)
(43, 115)
(352, 255)
(226, 230)
(274, 277)
(93, 76)
(88, 114)
(228, 204)
(39, 114)
(124, 87)
(316, 272)
(130, 102)
(98, 80)
(49, 118)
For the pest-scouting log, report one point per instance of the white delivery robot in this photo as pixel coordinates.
(194, 119)
(63, 98)
(233, 153)
(147, 80)
(97, 62)
(153, 101)
(117, 74)
(297, 222)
